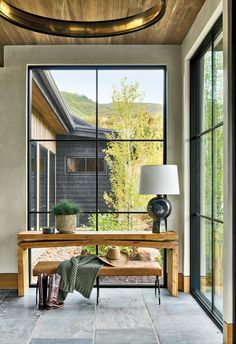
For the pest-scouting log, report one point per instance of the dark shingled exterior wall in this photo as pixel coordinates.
(81, 188)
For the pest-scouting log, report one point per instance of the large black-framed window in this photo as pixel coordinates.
(207, 174)
(105, 142)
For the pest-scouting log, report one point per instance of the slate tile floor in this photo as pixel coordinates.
(124, 316)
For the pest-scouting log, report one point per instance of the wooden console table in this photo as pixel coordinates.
(35, 239)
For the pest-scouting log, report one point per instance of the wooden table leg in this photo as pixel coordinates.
(23, 271)
(169, 270)
(172, 282)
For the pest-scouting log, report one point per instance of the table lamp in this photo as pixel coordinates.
(160, 180)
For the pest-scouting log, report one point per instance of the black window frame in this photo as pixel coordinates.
(195, 217)
(162, 140)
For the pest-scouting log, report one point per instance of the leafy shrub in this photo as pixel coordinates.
(108, 222)
(113, 222)
(65, 207)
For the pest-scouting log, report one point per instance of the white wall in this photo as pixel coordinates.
(13, 137)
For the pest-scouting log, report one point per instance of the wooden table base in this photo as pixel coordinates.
(31, 239)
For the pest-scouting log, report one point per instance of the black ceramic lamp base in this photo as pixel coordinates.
(156, 228)
(159, 208)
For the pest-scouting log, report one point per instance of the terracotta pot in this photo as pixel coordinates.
(66, 223)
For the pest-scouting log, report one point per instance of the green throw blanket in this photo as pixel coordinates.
(78, 273)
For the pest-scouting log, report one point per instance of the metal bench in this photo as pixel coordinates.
(132, 268)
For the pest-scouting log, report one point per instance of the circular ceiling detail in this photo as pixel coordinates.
(82, 29)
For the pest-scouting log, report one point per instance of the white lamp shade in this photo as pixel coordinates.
(159, 180)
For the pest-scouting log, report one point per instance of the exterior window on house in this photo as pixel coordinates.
(75, 165)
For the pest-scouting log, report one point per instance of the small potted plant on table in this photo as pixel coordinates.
(66, 216)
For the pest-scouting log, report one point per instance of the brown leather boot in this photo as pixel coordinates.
(53, 290)
(42, 287)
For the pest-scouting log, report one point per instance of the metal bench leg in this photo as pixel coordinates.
(156, 282)
(97, 290)
(159, 290)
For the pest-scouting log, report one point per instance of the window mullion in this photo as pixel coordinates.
(212, 171)
(97, 155)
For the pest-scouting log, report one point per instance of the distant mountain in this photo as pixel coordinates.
(85, 108)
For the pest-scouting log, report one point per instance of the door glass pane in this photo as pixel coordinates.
(218, 266)
(218, 79)
(206, 175)
(218, 173)
(206, 258)
(131, 103)
(207, 171)
(205, 96)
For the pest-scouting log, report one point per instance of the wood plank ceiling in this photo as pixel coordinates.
(171, 29)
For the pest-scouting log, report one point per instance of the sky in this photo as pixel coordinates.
(83, 82)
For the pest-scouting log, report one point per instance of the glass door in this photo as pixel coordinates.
(207, 173)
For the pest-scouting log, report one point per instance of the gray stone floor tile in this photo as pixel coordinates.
(76, 299)
(125, 312)
(14, 331)
(66, 323)
(122, 298)
(13, 307)
(3, 294)
(14, 292)
(123, 316)
(182, 324)
(118, 292)
(26, 301)
(14, 313)
(125, 336)
(60, 341)
(187, 338)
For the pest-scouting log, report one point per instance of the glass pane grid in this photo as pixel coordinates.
(88, 162)
(207, 173)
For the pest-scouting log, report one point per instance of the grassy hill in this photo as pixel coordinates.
(85, 108)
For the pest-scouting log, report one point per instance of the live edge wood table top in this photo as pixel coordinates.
(36, 239)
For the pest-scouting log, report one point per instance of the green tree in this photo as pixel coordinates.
(124, 158)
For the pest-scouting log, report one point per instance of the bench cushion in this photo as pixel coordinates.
(132, 268)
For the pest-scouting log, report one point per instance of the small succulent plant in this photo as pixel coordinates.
(65, 207)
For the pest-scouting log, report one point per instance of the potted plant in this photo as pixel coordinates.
(66, 219)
